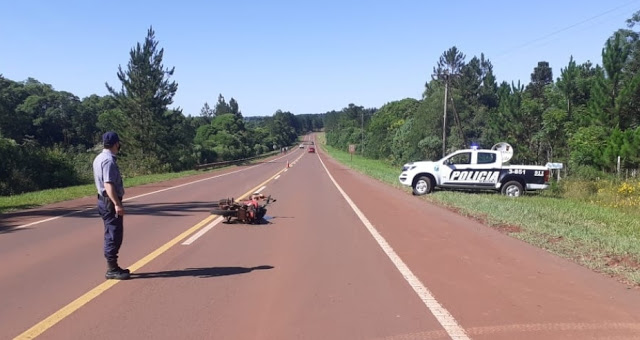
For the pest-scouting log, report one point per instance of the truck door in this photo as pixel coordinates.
(452, 166)
(486, 169)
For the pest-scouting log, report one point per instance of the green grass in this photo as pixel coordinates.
(38, 198)
(603, 238)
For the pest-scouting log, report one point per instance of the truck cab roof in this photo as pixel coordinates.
(474, 156)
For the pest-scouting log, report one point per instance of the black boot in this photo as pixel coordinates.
(115, 272)
(123, 270)
(114, 265)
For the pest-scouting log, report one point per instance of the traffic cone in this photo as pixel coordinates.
(288, 165)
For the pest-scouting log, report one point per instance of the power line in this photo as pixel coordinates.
(567, 28)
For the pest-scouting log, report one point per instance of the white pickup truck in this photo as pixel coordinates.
(473, 169)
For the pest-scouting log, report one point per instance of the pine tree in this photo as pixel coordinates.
(542, 76)
(614, 57)
(234, 108)
(145, 94)
(221, 106)
(567, 82)
(206, 111)
(600, 105)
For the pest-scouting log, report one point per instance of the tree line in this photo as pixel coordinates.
(586, 118)
(48, 138)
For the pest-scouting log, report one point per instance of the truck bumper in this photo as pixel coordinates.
(404, 179)
(537, 186)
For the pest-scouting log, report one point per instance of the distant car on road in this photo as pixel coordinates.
(312, 149)
(301, 146)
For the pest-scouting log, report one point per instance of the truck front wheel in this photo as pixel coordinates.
(422, 186)
(512, 189)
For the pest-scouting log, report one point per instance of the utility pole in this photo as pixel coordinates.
(362, 132)
(444, 120)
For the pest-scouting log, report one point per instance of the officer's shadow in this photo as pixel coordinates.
(199, 272)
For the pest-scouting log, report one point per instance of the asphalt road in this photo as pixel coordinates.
(341, 257)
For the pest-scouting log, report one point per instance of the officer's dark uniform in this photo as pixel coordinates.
(105, 170)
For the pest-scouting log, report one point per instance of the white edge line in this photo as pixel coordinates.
(446, 320)
(261, 188)
(277, 177)
(142, 195)
(202, 231)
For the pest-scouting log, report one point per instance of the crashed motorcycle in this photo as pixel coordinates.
(250, 211)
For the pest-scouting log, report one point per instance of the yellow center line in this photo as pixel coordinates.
(67, 310)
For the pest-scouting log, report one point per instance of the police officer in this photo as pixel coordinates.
(110, 191)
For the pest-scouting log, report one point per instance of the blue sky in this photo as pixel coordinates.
(297, 56)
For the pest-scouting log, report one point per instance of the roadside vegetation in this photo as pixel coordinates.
(586, 118)
(582, 114)
(594, 223)
(38, 198)
(48, 138)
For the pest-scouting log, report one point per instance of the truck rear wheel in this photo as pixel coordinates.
(512, 189)
(422, 186)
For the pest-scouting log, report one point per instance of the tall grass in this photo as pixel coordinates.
(621, 194)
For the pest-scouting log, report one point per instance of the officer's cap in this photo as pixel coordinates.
(110, 139)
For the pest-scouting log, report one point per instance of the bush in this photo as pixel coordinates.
(137, 164)
(28, 167)
(83, 165)
(556, 190)
(588, 173)
(579, 189)
(56, 170)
